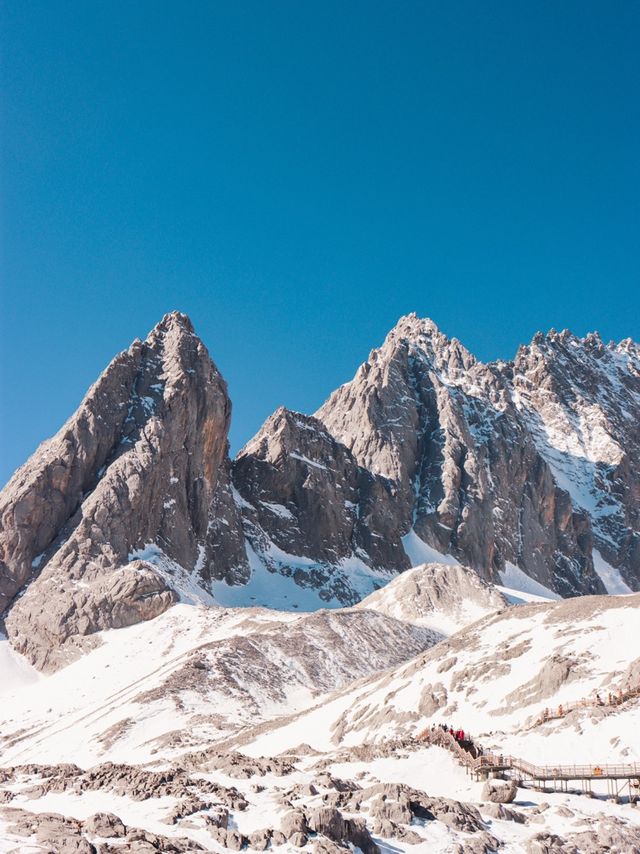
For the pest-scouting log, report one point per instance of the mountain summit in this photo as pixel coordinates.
(526, 471)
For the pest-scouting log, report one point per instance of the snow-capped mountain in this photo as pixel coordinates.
(525, 471)
(529, 464)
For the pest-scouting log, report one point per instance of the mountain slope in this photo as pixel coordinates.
(190, 677)
(439, 596)
(495, 678)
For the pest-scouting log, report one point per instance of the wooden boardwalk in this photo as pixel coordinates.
(481, 765)
(609, 702)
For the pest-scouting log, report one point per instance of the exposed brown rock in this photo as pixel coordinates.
(465, 445)
(305, 491)
(138, 464)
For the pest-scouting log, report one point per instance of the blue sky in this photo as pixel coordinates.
(295, 176)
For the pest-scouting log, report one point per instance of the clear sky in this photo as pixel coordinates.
(297, 175)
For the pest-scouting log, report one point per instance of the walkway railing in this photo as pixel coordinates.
(471, 755)
(611, 700)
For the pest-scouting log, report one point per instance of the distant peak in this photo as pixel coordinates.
(411, 326)
(591, 339)
(424, 335)
(172, 321)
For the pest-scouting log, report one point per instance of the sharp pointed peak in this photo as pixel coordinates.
(411, 325)
(173, 321)
(424, 334)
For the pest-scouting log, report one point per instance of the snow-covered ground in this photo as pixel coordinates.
(199, 681)
(494, 679)
(200, 671)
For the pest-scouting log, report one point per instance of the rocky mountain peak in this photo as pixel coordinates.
(281, 434)
(454, 434)
(521, 470)
(304, 493)
(412, 327)
(173, 321)
(133, 472)
(421, 339)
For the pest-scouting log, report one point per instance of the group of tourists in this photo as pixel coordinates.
(464, 739)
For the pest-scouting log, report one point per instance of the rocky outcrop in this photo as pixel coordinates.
(303, 492)
(97, 518)
(330, 822)
(580, 400)
(64, 835)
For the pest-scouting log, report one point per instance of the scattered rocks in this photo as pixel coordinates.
(549, 843)
(135, 782)
(237, 765)
(185, 807)
(611, 835)
(502, 813)
(56, 833)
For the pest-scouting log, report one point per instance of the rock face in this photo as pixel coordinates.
(303, 492)
(528, 466)
(580, 399)
(131, 480)
(528, 463)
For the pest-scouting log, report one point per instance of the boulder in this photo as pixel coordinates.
(330, 822)
(259, 839)
(499, 791)
(293, 822)
(105, 824)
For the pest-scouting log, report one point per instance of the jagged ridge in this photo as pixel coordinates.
(524, 466)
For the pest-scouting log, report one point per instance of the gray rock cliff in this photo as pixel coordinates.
(133, 475)
(527, 466)
(478, 470)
